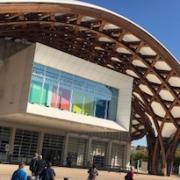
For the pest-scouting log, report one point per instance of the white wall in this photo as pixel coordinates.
(77, 66)
(14, 79)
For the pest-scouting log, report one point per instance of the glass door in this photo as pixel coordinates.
(53, 148)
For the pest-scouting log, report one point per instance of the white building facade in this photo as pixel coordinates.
(63, 107)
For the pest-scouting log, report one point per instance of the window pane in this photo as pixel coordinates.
(65, 96)
(100, 108)
(88, 105)
(54, 96)
(112, 109)
(36, 90)
(77, 102)
(44, 97)
(51, 87)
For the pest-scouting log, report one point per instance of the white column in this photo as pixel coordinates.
(109, 152)
(40, 142)
(127, 155)
(11, 141)
(65, 149)
(88, 154)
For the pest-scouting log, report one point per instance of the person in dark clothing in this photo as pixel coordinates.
(93, 172)
(130, 175)
(69, 161)
(41, 164)
(33, 164)
(48, 173)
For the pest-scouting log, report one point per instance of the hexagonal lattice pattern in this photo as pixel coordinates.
(158, 109)
(113, 42)
(174, 81)
(166, 95)
(153, 78)
(176, 111)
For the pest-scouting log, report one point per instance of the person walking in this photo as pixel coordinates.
(93, 172)
(41, 165)
(48, 173)
(33, 164)
(69, 161)
(19, 174)
(130, 174)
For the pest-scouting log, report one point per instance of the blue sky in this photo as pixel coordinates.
(159, 17)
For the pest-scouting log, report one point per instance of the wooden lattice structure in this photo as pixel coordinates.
(107, 39)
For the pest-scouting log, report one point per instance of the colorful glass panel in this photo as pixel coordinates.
(44, 97)
(88, 105)
(54, 97)
(65, 96)
(77, 102)
(54, 88)
(100, 108)
(35, 92)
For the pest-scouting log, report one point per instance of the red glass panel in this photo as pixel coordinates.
(64, 102)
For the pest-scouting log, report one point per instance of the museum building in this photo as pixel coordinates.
(55, 106)
(80, 82)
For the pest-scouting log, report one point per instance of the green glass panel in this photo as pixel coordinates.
(77, 102)
(112, 110)
(35, 92)
(77, 108)
(44, 98)
(88, 105)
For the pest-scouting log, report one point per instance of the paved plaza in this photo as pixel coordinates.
(80, 174)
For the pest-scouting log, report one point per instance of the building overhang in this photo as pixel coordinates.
(80, 124)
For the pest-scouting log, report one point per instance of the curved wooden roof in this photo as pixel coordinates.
(110, 40)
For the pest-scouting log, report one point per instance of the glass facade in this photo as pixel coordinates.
(25, 143)
(52, 150)
(54, 88)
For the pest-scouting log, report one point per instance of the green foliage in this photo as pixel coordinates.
(139, 155)
(177, 157)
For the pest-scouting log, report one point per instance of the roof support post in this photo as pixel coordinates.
(157, 164)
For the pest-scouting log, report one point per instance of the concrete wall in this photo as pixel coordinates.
(14, 79)
(77, 66)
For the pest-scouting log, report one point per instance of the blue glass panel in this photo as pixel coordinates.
(100, 108)
(38, 69)
(66, 79)
(52, 74)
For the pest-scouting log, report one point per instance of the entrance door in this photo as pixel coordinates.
(53, 148)
(99, 152)
(76, 151)
(53, 156)
(117, 155)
